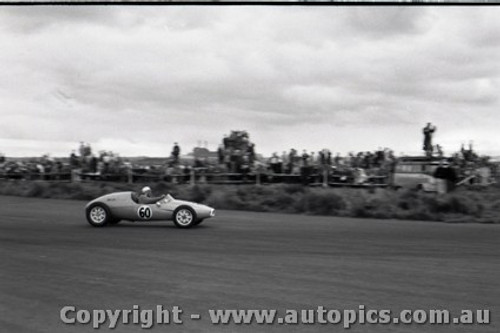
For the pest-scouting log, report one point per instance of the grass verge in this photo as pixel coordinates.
(461, 205)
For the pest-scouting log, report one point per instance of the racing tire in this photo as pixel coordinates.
(98, 215)
(184, 217)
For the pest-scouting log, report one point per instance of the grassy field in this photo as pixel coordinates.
(462, 205)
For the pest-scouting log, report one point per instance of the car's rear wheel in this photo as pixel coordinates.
(184, 217)
(98, 215)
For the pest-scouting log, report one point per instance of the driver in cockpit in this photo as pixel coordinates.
(146, 196)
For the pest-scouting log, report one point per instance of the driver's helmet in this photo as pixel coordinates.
(146, 189)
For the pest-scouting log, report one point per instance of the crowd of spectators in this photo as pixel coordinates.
(354, 167)
(235, 155)
(105, 162)
(49, 168)
(236, 152)
(292, 162)
(45, 168)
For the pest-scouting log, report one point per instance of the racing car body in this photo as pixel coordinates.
(115, 207)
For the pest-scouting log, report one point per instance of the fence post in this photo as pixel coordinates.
(203, 176)
(192, 180)
(130, 176)
(325, 177)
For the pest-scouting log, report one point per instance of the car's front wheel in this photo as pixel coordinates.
(98, 215)
(184, 217)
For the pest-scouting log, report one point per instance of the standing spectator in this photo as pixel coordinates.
(305, 158)
(305, 170)
(73, 160)
(439, 150)
(428, 131)
(198, 163)
(233, 160)
(40, 168)
(93, 164)
(391, 162)
(106, 159)
(274, 161)
(238, 160)
(291, 160)
(245, 167)
(251, 153)
(337, 160)
(367, 160)
(220, 154)
(176, 151)
(57, 169)
(379, 157)
(227, 159)
(360, 176)
(284, 162)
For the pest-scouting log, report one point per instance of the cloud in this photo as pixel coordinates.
(387, 22)
(130, 76)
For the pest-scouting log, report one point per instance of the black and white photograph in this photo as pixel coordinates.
(291, 166)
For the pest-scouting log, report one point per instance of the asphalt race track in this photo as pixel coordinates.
(51, 257)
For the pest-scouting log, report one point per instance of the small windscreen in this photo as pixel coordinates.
(134, 197)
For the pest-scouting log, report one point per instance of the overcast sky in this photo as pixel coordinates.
(135, 80)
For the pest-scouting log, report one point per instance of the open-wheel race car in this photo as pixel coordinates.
(116, 207)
